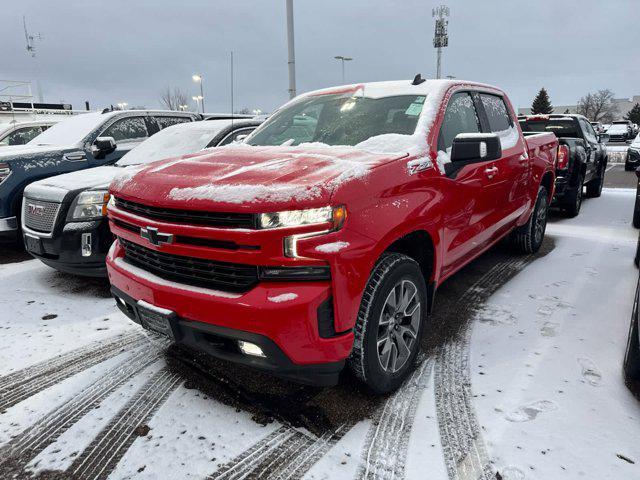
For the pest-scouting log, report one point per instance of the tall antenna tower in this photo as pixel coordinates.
(31, 50)
(31, 39)
(441, 37)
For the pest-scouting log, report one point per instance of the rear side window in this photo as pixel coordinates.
(460, 117)
(22, 136)
(497, 113)
(127, 130)
(164, 122)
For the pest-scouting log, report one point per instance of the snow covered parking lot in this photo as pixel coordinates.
(520, 378)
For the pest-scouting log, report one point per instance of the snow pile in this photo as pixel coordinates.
(285, 297)
(239, 193)
(332, 247)
(71, 131)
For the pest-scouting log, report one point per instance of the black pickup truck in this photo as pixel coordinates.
(582, 157)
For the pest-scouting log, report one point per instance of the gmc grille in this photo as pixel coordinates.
(213, 219)
(198, 272)
(40, 216)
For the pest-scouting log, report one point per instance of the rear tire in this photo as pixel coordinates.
(632, 353)
(528, 238)
(387, 331)
(594, 187)
(572, 208)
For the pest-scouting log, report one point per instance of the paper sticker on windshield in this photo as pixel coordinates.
(414, 109)
(419, 100)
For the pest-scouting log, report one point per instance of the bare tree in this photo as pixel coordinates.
(598, 106)
(173, 98)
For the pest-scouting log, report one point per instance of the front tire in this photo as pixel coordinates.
(390, 323)
(528, 238)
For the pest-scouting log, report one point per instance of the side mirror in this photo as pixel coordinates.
(103, 146)
(603, 138)
(476, 147)
(241, 137)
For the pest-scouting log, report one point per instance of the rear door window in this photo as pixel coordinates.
(166, 121)
(128, 129)
(460, 117)
(497, 113)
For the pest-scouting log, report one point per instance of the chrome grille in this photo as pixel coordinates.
(39, 215)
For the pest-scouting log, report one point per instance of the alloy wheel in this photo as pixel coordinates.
(398, 326)
(540, 221)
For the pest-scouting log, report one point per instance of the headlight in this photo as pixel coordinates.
(90, 205)
(5, 171)
(298, 218)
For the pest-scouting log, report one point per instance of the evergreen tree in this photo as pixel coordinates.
(634, 114)
(541, 104)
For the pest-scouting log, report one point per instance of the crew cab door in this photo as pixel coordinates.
(513, 176)
(470, 194)
(127, 132)
(592, 147)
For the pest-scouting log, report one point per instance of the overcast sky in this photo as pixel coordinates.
(113, 51)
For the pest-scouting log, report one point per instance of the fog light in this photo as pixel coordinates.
(86, 245)
(249, 348)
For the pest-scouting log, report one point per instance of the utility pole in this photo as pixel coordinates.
(441, 38)
(231, 87)
(291, 49)
(31, 50)
(343, 59)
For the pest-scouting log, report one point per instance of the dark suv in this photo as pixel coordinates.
(80, 142)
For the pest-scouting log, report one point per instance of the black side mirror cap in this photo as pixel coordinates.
(476, 147)
(103, 146)
(603, 138)
(471, 148)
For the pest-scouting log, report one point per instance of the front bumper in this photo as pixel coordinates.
(286, 326)
(8, 228)
(62, 249)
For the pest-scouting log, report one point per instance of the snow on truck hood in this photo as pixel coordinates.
(235, 177)
(82, 179)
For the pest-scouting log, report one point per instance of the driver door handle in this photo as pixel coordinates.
(491, 172)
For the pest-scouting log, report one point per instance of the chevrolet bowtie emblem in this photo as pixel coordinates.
(154, 236)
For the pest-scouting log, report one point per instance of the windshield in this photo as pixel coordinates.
(562, 128)
(339, 119)
(616, 127)
(71, 131)
(173, 141)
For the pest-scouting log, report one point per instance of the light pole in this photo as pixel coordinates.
(291, 50)
(198, 99)
(198, 79)
(343, 59)
(441, 38)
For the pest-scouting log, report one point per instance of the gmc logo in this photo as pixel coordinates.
(155, 237)
(35, 210)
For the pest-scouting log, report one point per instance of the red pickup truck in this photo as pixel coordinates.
(320, 241)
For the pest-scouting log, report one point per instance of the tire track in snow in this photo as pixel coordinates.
(25, 446)
(285, 454)
(100, 458)
(387, 442)
(464, 450)
(20, 385)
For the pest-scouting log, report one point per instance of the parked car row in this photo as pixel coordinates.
(317, 242)
(622, 131)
